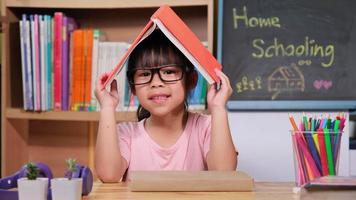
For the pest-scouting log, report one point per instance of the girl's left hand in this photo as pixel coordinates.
(217, 99)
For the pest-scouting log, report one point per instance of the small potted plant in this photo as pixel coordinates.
(69, 187)
(32, 187)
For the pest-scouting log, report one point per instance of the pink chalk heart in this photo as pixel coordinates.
(318, 84)
(327, 84)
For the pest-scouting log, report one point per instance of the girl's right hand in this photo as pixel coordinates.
(105, 98)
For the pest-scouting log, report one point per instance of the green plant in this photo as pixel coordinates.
(71, 167)
(32, 171)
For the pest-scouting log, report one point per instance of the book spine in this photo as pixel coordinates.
(43, 63)
(68, 26)
(23, 64)
(88, 51)
(49, 65)
(77, 69)
(58, 17)
(70, 71)
(33, 63)
(37, 59)
(28, 61)
(94, 65)
(101, 64)
(65, 65)
(120, 48)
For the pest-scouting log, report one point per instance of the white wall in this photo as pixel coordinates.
(353, 162)
(265, 146)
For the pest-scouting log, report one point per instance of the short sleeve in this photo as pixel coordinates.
(204, 125)
(124, 137)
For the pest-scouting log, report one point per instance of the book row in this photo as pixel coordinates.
(61, 62)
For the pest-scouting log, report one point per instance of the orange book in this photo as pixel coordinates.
(88, 50)
(182, 37)
(77, 69)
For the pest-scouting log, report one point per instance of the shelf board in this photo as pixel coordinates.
(17, 113)
(107, 4)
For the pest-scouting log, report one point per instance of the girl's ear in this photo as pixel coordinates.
(192, 80)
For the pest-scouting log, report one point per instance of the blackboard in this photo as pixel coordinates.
(289, 53)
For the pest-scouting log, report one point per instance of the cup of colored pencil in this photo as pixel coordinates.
(316, 146)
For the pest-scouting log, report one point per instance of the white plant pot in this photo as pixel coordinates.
(32, 189)
(64, 189)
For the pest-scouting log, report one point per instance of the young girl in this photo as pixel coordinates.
(166, 136)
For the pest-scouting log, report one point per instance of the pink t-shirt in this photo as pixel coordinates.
(188, 153)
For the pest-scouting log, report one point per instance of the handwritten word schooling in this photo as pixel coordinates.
(308, 48)
(253, 22)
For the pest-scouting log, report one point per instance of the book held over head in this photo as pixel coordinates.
(182, 37)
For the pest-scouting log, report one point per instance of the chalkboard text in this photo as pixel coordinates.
(309, 48)
(252, 22)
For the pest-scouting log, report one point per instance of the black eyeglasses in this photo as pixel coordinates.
(167, 73)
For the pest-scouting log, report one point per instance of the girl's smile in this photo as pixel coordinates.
(159, 98)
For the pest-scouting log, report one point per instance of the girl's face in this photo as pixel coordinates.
(165, 93)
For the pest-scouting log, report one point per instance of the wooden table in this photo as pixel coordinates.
(263, 190)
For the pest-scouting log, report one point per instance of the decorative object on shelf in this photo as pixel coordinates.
(31, 180)
(78, 181)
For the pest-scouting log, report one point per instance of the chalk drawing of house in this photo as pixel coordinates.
(286, 79)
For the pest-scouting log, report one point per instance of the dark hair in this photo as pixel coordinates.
(157, 50)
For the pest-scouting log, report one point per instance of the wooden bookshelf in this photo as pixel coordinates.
(94, 4)
(17, 113)
(51, 137)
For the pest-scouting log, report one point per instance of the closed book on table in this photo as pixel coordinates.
(190, 181)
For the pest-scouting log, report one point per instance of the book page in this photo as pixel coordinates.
(147, 33)
(123, 60)
(183, 50)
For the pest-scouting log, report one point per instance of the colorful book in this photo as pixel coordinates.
(87, 52)
(42, 41)
(94, 65)
(182, 37)
(28, 63)
(77, 69)
(36, 68)
(57, 68)
(22, 25)
(68, 26)
(49, 63)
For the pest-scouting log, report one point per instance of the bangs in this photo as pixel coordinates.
(156, 50)
(159, 55)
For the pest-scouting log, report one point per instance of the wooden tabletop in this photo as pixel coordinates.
(263, 190)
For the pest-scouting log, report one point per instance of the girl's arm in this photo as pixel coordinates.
(222, 154)
(110, 165)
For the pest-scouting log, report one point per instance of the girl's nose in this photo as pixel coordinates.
(156, 80)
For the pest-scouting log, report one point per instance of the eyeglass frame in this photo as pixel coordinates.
(154, 70)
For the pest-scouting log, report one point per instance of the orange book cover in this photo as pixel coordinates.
(182, 37)
(77, 68)
(88, 51)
